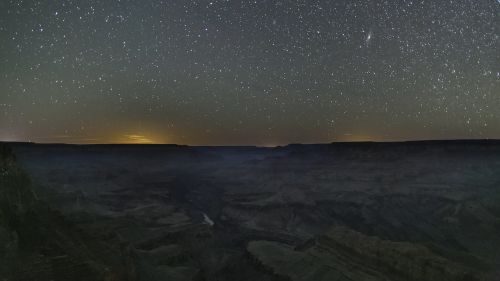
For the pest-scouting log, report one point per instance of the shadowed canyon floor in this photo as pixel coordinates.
(343, 211)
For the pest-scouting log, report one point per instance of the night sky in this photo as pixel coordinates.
(248, 72)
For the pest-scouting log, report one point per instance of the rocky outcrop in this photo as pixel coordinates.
(344, 254)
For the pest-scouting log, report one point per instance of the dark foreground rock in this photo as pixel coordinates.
(38, 243)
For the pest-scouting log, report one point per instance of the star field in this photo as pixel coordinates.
(248, 72)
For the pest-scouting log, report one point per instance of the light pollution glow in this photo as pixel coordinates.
(137, 139)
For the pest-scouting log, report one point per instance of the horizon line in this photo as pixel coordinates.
(259, 145)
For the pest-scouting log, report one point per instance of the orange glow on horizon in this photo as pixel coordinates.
(139, 139)
(357, 138)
